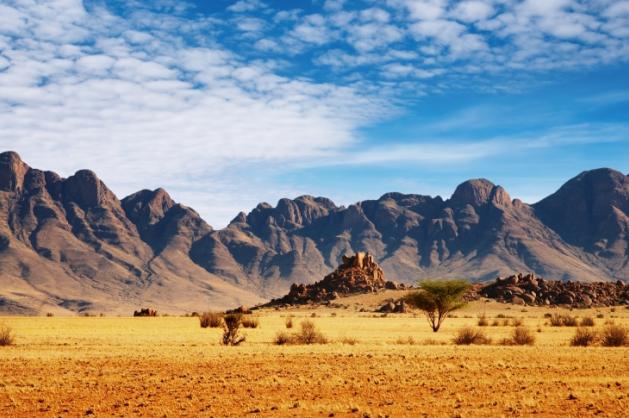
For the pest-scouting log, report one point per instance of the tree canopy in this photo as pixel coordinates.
(437, 298)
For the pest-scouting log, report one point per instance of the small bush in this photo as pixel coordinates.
(520, 336)
(6, 336)
(283, 338)
(584, 337)
(516, 322)
(250, 322)
(49, 314)
(495, 323)
(349, 341)
(289, 322)
(231, 329)
(468, 335)
(600, 316)
(548, 315)
(482, 321)
(557, 320)
(309, 334)
(313, 315)
(615, 336)
(587, 321)
(211, 319)
(501, 316)
(406, 341)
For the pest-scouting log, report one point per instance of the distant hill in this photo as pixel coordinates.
(71, 245)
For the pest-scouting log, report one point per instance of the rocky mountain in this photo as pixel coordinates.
(71, 245)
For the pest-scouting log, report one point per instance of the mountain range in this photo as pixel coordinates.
(70, 245)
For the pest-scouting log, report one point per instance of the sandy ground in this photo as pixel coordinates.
(170, 367)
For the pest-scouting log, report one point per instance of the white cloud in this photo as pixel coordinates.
(473, 11)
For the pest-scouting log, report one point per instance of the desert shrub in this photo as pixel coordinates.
(231, 329)
(49, 314)
(309, 334)
(557, 320)
(250, 322)
(349, 341)
(6, 335)
(614, 336)
(587, 321)
(495, 323)
(548, 315)
(468, 335)
(482, 321)
(584, 337)
(516, 322)
(283, 338)
(501, 316)
(313, 315)
(600, 316)
(520, 336)
(211, 319)
(333, 314)
(438, 298)
(289, 322)
(405, 341)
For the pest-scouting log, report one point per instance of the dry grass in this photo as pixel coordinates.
(587, 321)
(584, 337)
(558, 320)
(469, 335)
(168, 366)
(250, 322)
(6, 336)
(211, 319)
(614, 335)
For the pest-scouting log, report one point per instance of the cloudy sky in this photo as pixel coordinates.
(229, 103)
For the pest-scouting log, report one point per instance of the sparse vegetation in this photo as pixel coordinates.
(6, 336)
(587, 321)
(482, 321)
(469, 335)
(520, 336)
(250, 322)
(584, 337)
(231, 329)
(406, 341)
(211, 319)
(307, 334)
(438, 298)
(557, 320)
(614, 335)
(289, 322)
(349, 341)
(516, 322)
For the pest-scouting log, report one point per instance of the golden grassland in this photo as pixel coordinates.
(170, 367)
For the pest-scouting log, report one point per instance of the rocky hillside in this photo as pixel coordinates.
(69, 244)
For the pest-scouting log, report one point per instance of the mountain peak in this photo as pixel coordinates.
(12, 171)
(148, 205)
(86, 189)
(475, 192)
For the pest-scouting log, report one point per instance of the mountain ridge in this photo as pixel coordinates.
(69, 245)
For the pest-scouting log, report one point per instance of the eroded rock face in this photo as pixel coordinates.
(531, 290)
(358, 274)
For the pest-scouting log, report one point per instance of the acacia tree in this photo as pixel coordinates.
(437, 298)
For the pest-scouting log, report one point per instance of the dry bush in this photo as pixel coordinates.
(231, 329)
(250, 322)
(587, 321)
(283, 338)
(211, 319)
(600, 316)
(501, 316)
(557, 320)
(516, 322)
(49, 314)
(313, 315)
(548, 315)
(584, 337)
(289, 322)
(406, 341)
(309, 334)
(495, 323)
(482, 321)
(6, 336)
(520, 336)
(615, 336)
(349, 340)
(468, 335)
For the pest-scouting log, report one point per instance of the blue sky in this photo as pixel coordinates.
(229, 103)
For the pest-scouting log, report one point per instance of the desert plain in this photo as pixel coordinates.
(373, 365)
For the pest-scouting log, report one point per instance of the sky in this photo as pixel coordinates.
(226, 104)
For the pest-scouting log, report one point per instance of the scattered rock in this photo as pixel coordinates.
(531, 290)
(145, 312)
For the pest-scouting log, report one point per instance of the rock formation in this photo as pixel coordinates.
(357, 274)
(531, 290)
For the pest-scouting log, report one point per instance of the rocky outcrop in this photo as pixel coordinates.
(535, 291)
(357, 274)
